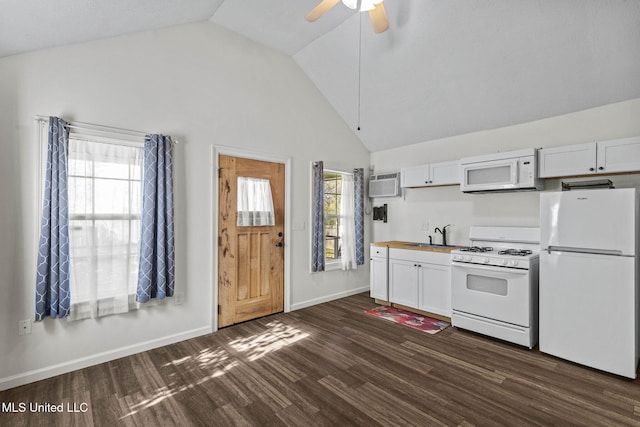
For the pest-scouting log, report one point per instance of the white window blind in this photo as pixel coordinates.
(104, 218)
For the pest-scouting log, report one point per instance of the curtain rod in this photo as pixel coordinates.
(99, 128)
(337, 171)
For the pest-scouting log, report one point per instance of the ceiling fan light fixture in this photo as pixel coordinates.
(374, 7)
(367, 5)
(351, 4)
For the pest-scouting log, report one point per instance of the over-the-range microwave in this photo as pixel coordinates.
(508, 171)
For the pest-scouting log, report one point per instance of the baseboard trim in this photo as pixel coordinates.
(327, 298)
(72, 365)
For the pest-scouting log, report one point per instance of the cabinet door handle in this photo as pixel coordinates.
(601, 168)
(591, 169)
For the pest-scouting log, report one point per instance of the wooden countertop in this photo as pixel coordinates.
(406, 245)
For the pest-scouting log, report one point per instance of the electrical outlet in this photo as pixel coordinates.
(178, 298)
(24, 327)
(424, 226)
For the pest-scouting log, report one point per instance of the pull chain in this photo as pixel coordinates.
(359, 67)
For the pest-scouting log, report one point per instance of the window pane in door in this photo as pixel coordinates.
(255, 202)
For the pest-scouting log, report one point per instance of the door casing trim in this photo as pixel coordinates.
(216, 152)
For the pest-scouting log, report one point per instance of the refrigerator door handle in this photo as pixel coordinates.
(584, 250)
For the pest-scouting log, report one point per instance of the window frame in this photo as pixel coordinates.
(333, 263)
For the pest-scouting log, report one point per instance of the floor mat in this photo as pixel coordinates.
(407, 318)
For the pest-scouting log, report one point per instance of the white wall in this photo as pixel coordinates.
(203, 85)
(439, 206)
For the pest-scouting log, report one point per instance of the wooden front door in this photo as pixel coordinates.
(250, 258)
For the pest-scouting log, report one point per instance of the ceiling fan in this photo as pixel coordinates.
(374, 7)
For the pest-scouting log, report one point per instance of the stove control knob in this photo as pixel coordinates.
(467, 258)
(514, 262)
(486, 260)
(505, 262)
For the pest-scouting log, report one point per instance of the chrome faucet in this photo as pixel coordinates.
(444, 233)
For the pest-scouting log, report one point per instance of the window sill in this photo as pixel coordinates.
(333, 265)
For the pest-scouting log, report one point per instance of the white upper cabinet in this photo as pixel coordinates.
(443, 173)
(567, 160)
(617, 155)
(414, 176)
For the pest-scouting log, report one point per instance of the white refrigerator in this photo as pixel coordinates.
(589, 269)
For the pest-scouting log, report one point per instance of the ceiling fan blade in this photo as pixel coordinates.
(322, 8)
(379, 18)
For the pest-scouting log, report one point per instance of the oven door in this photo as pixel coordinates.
(497, 293)
(490, 175)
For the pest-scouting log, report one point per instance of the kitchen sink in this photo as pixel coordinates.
(430, 245)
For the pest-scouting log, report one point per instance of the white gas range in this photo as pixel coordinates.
(494, 284)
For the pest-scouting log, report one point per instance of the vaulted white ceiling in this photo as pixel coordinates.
(444, 68)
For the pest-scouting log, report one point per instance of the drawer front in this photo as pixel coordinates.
(442, 258)
(379, 251)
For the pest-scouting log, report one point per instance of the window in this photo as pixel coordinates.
(332, 217)
(104, 223)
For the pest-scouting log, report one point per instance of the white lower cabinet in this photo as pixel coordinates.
(420, 280)
(379, 273)
(434, 292)
(403, 282)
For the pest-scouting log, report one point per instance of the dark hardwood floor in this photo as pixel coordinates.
(331, 364)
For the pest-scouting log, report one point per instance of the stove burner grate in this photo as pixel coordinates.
(476, 249)
(515, 252)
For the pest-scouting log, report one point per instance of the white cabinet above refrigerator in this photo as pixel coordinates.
(602, 157)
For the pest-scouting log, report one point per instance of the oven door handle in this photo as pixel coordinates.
(507, 271)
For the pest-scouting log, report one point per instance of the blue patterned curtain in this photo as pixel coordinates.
(53, 297)
(317, 207)
(358, 181)
(156, 271)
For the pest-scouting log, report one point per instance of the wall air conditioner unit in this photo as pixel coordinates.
(384, 185)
